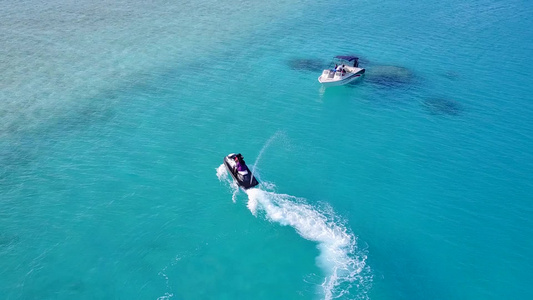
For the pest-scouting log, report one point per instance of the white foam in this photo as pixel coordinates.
(222, 175)
(343, 264)
(167, 294)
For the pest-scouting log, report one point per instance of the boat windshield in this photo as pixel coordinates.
(346, 60)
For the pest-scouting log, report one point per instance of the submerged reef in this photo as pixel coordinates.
(389, 76)
(453, 75)
(307, 64)
(7, 240)
(442, 106)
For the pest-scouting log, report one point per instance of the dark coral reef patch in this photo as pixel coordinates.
(389, 76)
(442, 106)
(307, 64)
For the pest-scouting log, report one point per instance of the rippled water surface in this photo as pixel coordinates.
(413, 183)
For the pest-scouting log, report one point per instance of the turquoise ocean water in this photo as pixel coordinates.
(414, 183)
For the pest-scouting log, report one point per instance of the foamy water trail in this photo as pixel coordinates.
(222, 175)
(343, 264)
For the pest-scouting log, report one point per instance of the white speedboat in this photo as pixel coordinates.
(344, 69)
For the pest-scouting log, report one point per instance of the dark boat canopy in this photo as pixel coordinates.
(347, 57)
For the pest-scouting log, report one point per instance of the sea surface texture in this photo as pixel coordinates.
(415, 182)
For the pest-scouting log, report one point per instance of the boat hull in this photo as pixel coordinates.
(342, 81)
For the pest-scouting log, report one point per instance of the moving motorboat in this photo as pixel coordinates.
(344, 69)
(239, 171)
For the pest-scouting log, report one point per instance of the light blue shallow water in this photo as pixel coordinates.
(414, 183)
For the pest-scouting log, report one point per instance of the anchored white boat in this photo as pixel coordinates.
(346, 70)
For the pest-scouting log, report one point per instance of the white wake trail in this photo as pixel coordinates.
(343, 264)
(222, 175)
(340, 259)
